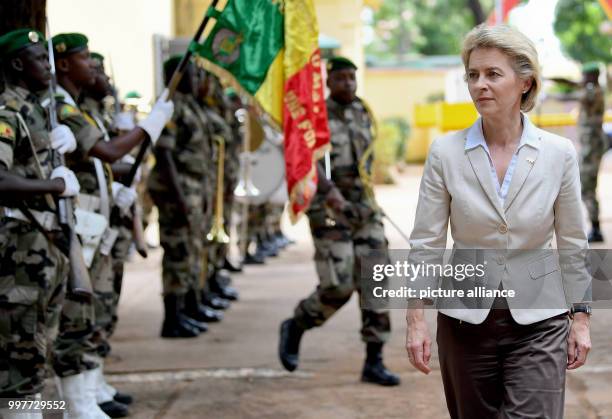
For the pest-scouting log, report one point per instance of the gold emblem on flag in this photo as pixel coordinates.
(226, 46)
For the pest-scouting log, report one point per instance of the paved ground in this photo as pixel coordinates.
(232, 371)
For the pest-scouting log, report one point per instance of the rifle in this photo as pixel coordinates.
(174, 82)
(79, 282)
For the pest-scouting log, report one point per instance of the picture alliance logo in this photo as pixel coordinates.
(413, 271)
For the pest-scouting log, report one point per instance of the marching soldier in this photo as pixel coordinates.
(82, 338)
(176, 187)
(32, 267)
(593, 143)
(345, 226)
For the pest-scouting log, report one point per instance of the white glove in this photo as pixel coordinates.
(131, 160)
(72, 187)
(123, 196)
(62, 139)
(160, 115)
(124, 121)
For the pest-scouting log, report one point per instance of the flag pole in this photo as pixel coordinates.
(499, 12)
(174, 82)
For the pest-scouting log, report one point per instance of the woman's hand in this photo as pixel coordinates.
(418, 341)
(579, 341)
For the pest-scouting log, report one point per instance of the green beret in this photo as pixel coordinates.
(18, 39)
(96, 56)
(133, 94)
(339, 63)
(172, 63)
(590, 67)
(68, 43)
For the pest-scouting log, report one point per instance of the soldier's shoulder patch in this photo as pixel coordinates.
(6, 131)
(67, 111)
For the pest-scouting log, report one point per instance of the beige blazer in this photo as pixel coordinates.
(544, 198)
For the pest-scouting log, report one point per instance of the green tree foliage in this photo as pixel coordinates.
(577, 25)
(430, 27)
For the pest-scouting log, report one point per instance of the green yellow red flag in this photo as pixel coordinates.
(271, 49)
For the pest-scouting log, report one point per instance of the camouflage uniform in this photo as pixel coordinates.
(274, 213)
(33, 271)
(82, 323)
(593, 143)
(187, 138)
(339, 247)
(118, 221)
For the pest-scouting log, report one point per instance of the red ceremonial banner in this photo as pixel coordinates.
(306, 132)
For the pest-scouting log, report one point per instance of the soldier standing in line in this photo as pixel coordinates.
(112, 402)
(340, 241)
(213, 106)
(593, 143)
(176, 187)
(232, 168)
(33, 270)
(82, 335)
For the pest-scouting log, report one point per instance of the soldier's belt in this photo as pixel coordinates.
(47, 219)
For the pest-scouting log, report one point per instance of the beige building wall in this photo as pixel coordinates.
(341, 19)
(394, 92)
(121, 30)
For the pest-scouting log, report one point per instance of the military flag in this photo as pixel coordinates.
(271, 49)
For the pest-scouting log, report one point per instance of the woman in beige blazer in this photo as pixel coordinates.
(504, 184)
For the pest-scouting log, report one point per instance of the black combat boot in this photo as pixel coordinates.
(214, 301)
(256, 258)
(219, 284)
(200, 312)
(289, 344)
(123, 398)
(175, 325)
(201, 326)
(374, 370)
(595, 235)
(114, 409)
(227, 264)
(267, 248)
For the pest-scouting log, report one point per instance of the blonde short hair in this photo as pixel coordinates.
(522, 53)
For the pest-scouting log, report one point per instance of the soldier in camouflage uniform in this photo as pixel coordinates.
(345, 226)
(33, 270)
(82, 338)
(108, 283)
(176, 186)
(593, 143)
(232, 168)
(214, 107)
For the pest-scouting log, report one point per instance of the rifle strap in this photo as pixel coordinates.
(39, 170)
(100, 175)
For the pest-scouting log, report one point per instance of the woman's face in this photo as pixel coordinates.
(494, 86)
